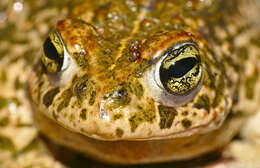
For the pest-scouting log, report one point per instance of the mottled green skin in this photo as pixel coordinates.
(115, 45)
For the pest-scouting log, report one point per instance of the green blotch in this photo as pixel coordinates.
(81, 87)
(186, 123)
(21, 124)
(18, 84)
(243, 53)
(203, 102)
(49, 96)
(167, 115)
(219, 92)
(66, 97)
(3, 77)
(16, 101)
(92, 97)
(6, 101)
(81, 60)
(119, 132)
(3, 102)
(84, 88)
(4, 121)
(4, 52)
(71, 117)
(136, 88)
(83, 114)
(6, 144)
(143, 115)
(139, 71)
(117, 116)
(250, 84)
(256, 41)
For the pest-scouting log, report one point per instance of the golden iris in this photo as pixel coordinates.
(181, 70)
(53, 55)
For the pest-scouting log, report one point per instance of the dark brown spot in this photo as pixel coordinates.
(186, 123)
(184, 113)
(83, 114)
(119, 132)
(49, 96)
(117, 116)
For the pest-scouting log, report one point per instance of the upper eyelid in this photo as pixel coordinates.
(66, 55)
(164, 55)
(156, 70)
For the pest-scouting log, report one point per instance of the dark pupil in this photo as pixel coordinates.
(181, 67)
(177, 69)
(50, 51)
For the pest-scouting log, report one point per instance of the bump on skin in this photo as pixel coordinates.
(186, 123)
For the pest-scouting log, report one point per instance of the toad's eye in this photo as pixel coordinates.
(53, 53)
(180, 69)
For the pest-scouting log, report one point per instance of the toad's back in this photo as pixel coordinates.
(162, 71)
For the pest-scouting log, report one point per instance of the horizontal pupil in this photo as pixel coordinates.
(50, 51)
(181, 67)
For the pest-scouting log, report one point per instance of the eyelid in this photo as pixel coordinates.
(157, 90)
(68, 66)
(164, 55)
(66, 56)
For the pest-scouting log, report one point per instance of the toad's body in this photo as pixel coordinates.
(103, 85)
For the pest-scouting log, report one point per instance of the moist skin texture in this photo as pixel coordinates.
(107, 102)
